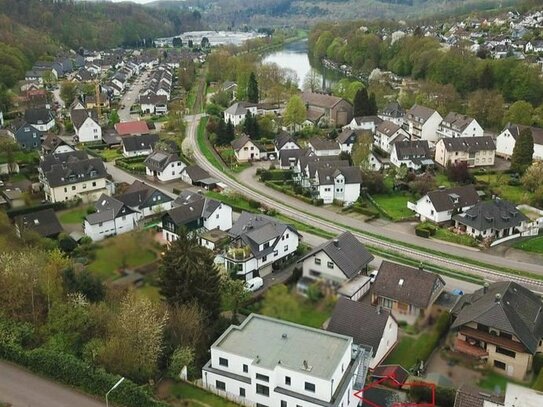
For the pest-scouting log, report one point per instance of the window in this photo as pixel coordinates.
(288, 380)
(275, 253)
(84, 186)
(286, 248)
(283, 403)
(505, 352)
(220, 385)
(387, 303)
(245, 369)
(317, 261)
(506, 335)
(241, 392)
(262, 390)
(499, 365)
(309, 387)
(73, 187)
(330, 265)
(314, 273)
(223, 362)
(94, 184)
(262, 377)
(265, 258)
(65, 189)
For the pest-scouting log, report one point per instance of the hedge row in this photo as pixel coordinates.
(371, 212)
(138, 167)
(425, 230)
(275, 175)
(288, 191)
(74, 372)
(444, 396)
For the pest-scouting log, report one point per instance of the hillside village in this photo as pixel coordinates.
(265, 222)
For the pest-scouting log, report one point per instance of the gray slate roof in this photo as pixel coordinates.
(38, 116)
(457, 121)
(363, 322)
(393, 109)
(239, 108)
(240, 142)
(190, 206)
(44, 222)
(537, 133)
(72, 167)
(140, 195)
(496, 214)
(413, 150)
(518, 312)
(469, 144)
(419, 113)
(406, 284)
(387, 128)
(352, 175)
(283, 138)
(108, 208)
(158, 160)
(346, 252)
(452, 198)
(291, 157)
(196, 173)
(79, 116)
(319, 143)
(139, 142)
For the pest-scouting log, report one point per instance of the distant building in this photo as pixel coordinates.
(237, 112)
(475, 151)
(414, 155)
(506, 140)
(332, 109)
(393, 112)
(422, 123)
(387, 133)
(164, 166)
(44, 222)
(458, 125)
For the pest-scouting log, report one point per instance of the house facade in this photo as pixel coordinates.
(27, 136)
(387, 133)
(506, 140)
(245, 365)
(237, 112)
(338, 184)
(86, 126)
(422, 123)
(458, 125)
(393, 112)
(336, 111)
(111, 218)
(145, 199)
(164, 166)
(414, 155)
(475, 151)
(139, 145)
(246, 149)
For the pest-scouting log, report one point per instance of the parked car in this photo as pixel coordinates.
(254, 284)
(373, 276)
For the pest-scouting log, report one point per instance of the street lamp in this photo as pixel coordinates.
(113, 388)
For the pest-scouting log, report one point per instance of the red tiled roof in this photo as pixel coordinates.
(133, 127)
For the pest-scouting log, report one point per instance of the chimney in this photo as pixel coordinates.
(485, 288)
(336, 242)
(498, 298)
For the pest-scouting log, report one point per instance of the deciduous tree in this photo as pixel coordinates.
(523, 151)
(295, 112)
(279, 303)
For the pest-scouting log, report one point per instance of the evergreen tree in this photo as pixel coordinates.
(252, 89)
(222, 138)
(372, 110)
(250, 126)
(188, 275)
(486, 77)
(361, 103)
(523, 151)
(230, 132)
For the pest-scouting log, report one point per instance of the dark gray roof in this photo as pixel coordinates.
(406, 284)
(537, 133)
(363, 322)
(388, 128)
(240, 142)
(51, 142)
(368, 119)
(347, 133)
(283, 138)
(321, 165)
(140, 195)
(468, 396)
(194, 206)
(38, 116)
(44, 222)
(346, 252)
(72, 167)
(319, 143)
(139, 142)
(393, 109)
(496, 214)
(239, 108)
(291, 157)
(196, 173)
(108, 208)
(420, 113)
(326, 175)
(159, 160)
(457, 121)
(409, 150)
(518, 311)
(154, 100)
(79, 116)
(452, 198)
(469, 144)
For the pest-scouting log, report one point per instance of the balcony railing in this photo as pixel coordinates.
(239, 253)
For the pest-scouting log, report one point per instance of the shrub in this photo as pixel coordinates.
(538, 363)
(423, 394)
(314, 292)
(254, 204)
(422, 232)
(319, 202)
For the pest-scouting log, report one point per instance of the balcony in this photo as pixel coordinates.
(239, 253)
(486, 337)
(468, 349)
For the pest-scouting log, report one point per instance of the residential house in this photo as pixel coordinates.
(237, 112)
(195, 213)
(288, 159)
(415, 155)
(332, 109)
(492, 219)
(131, 128)
(387, 133)
(86, 125)
(459, 125)
(335, 263)
(41, 119)
(154, 104)
(270, 362)
(535, 46)
(407, 292)
(422, 123)
(393, 112)
(145, 199)
(506, 140)
(441, 205)
(44, 222)
(14, 197)
(324, 147)
(259, 241)
(501, 324)
(139, 144)
(103, 101)
(195, 175)
(284, 141)
(164, 166)
(515, 396)
(112, 217)
(475, 151)
(367, 325)
(230, 88)
(53, 144)
(347, 139)
(26, 135)
(73, 175)
(246, 149)
(338, 184)
(368, 123)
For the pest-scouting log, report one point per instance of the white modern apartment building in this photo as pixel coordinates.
(266, 362)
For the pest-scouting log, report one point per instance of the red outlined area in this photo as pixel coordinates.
(391, 381)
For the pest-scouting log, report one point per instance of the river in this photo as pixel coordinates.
(295, 56)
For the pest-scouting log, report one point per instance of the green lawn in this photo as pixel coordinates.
(491, 380)
(185, 391)
(534, 245)
(73, 216)
(441, 179)
(498, 184)
(236, 201)
(135, 248)
(448, 236)
(395, 205)
(110, 154)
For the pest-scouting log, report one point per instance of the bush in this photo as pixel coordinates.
(422, 232)
(422, 394)
(319, 202)
(538, 363)
(254, 204)
(314, 293)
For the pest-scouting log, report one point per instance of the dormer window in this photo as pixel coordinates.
(93, 173)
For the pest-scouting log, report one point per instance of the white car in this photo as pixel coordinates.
(373, 276)
(254, 284)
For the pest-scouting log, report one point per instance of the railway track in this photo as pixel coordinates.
(418, 255)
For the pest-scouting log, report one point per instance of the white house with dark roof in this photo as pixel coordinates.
(53, 144)
(347, 138)
(459, 125)
(506, 140)
(324, 147)
(367, 325)
(145, 199)
(288, 159)
(86, 125)
(414, 155)
(475, 151)
(439, 206)
(237, 112)
(393, 112)
(284, 141)
(246, 149)
(112, 217)
(338, 184)
(259, 241)
(336, 262)
(269, 362)
(422, 123)
(164, 166)
(368, 123)
(387, 133)
(154, 104)
(41, 119)
(44, 222)
(138, 144)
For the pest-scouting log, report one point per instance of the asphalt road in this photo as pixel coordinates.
(20, 388)
(130, 97)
